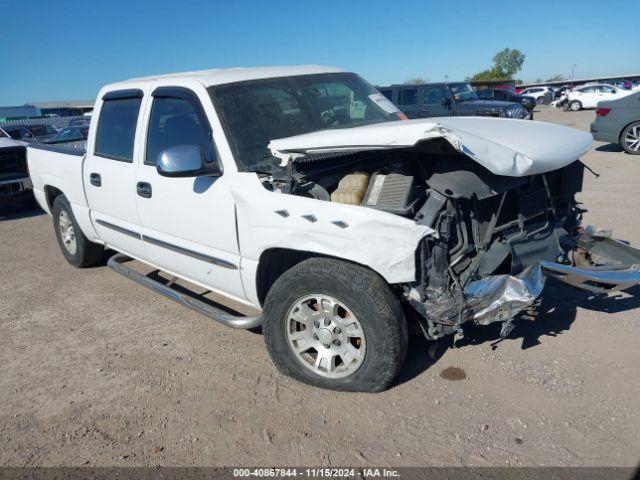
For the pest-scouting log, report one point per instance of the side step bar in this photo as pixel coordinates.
(116, 263)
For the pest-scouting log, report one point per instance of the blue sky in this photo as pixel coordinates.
(59, 50)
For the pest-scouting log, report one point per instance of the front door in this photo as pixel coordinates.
(109, 172)
(188, 224)
(436, 101)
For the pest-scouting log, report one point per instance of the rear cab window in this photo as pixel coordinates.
(117, 125)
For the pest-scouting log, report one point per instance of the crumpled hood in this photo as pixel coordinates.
(515, 148)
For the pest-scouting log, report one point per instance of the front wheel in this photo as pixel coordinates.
(76, 248)
(630, 139)
(575, 105)
(335, 325)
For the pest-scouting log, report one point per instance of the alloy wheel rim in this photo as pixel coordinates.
(575, 106)
(67, 232)
(632, 138)
(326, 336)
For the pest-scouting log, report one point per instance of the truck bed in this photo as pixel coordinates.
(57, 166)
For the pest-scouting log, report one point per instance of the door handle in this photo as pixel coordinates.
(144, 189)
(95, 179)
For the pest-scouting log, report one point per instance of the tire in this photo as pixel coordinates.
(84, 253)
(362, 297)
(575, 105)
(540, 100)
(630, 138)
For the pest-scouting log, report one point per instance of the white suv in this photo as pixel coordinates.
(541, 94)
(588, 96)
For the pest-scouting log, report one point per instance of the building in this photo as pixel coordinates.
(25, 111)
(614, 79)
(68, 108)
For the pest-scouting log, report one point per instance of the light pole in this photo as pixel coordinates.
(572, 71)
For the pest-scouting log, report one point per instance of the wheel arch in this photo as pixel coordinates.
(624, 128)
(50, 194)
(274, 262)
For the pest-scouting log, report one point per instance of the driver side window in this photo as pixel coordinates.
(173, 122)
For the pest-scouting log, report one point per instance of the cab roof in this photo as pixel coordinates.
(230, 75)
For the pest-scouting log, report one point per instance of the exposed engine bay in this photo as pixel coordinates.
(498, 237)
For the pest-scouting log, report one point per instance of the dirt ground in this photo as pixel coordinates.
(96, 370)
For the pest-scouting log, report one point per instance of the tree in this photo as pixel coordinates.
(413, 81)
(506, 63)
(485, 75)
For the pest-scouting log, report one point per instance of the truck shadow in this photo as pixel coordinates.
(556, 314)
(16, 211)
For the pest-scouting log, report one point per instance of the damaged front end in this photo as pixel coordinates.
(498, 242)
(502, 208)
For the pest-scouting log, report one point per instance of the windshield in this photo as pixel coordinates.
(38, 130)
(255, 112)
(463, 92)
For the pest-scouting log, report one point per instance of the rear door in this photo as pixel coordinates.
(589, 96)
(188, 224)
(408, 102)
(109, 172)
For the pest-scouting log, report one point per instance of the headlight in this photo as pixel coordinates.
(515, 111)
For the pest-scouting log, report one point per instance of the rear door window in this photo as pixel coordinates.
(408, 96)
(117, 128)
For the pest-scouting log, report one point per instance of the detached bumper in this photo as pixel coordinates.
(603, 265)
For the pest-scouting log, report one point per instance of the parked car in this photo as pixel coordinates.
(508, 96)
(20, 133)
(79, 121)
(31, 133)
(14, 174)
(560, 91)
(448, 99)
(588, 96)
(618, 121)
(78, 132)
(303, 196)
(543, 95)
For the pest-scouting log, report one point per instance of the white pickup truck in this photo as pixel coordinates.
(302, 192)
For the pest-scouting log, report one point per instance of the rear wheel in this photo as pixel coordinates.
(575, 105)
(630, 139)
(335, 325)
(76, 248)
(540, 100)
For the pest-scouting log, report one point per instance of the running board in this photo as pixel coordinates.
(116, 263)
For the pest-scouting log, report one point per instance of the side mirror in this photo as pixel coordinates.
(613, 91)
(185, 161)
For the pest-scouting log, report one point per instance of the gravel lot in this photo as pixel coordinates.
(96, 370)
